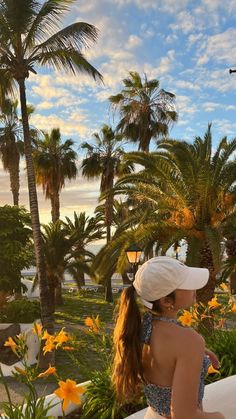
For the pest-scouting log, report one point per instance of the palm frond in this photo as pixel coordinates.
(67, 60)
(45, 21)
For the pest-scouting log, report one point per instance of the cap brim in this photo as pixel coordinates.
(196, 278)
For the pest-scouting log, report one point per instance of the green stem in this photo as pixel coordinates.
(7, 390)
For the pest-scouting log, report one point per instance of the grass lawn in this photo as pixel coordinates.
(78, 306)
(71, 315)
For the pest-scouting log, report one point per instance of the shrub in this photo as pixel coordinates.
(223, 343)
(20, 311)
(101, 402)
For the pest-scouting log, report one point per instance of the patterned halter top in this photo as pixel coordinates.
(159, 397)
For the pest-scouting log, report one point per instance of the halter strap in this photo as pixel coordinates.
(147, 325)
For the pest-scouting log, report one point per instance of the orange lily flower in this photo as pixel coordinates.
(187, 318)
(233, 309)
(224, 287)
(61, 338)
(68, 348)
(51, 370)
(212, 370)
(213, 303)
(12, 344)
(49, 346)
(47, 336)
(93, 323)
(68, 392)
(37, 329)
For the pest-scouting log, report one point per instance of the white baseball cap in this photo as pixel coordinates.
(161, 275)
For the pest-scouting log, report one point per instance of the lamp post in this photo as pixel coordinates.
(133, 254)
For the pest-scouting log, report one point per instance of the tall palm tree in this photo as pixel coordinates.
(193, 195)
(146, 110)
(55, 161)
(30, 36)
(83, 231)
(11, 145)
(104, 159)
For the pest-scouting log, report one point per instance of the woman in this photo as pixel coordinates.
(169, 361)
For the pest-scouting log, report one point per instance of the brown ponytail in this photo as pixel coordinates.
(127, 366)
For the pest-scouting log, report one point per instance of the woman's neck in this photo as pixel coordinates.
(170, 314)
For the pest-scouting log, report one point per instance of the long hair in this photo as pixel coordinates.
(127, 374)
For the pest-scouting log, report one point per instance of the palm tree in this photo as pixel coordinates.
(104, 159)
(83, 231)
(11, 145)
(30, 36)
(192, 193)
(146, 111)
(57, 247)
(55, 161)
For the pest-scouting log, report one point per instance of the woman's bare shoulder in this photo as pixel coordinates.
(187, 338)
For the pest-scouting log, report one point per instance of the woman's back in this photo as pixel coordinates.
(159, 354)
(164, 338)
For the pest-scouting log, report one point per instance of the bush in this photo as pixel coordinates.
(223, 343)
(101, 402)
(20, 311)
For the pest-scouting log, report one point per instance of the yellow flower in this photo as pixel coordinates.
(212, 370)
(49, 371)
(12, 344)
(187, 318)
(93, 323)
(68, 392)
(49, 345)
(37, 329)
(47, 336)
(224, 287)
(233, 309)
(68, 348)
(213, 303)
(61, 338)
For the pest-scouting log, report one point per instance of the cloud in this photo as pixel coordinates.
(193, 38)
(168, 6)
(228, 6)
(210, 106)
(185, 23)
(187, 85)
(133, 42)
(68, 126)
(171, 38)
(224, 127)
(220, 47)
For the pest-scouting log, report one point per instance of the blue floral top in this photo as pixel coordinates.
(158, 397)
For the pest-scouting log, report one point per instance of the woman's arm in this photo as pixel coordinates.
(189, 358)
(213, 358)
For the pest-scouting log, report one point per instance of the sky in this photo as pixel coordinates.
(188, 46)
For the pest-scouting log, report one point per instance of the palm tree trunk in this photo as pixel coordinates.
(58, 294)
(55, 206)
(80, 278)
(45, 303)
(108, 218)
(15, 180)
(230, 246)
(206, 293)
